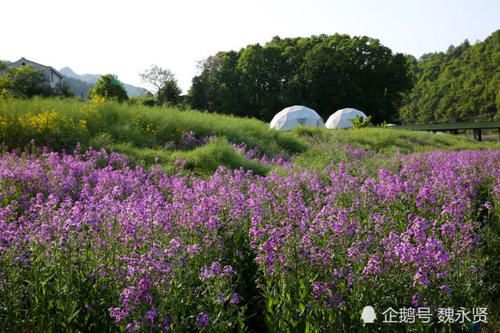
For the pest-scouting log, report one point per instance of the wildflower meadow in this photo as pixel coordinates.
(169, 225)
(88, 243)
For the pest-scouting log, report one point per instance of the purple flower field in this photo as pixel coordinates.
(88, 242)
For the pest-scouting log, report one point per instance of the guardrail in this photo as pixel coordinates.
(455, 127)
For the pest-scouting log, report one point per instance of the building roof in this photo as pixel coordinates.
(36, 63)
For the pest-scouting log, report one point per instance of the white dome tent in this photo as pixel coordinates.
(342, 118)
(294, 116)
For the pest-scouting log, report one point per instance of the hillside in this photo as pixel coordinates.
(204, 140)
(80, 84)
(462, 84)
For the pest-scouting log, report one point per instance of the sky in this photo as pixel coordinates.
(126, 37)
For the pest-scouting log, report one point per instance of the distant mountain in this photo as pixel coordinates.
(134, 91)
(80, 84)
(77, 86)
(68, 72)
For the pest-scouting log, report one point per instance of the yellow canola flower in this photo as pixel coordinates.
(98, 100)
(44, 120)
(83, 124)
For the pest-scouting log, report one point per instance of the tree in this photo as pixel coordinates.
(462, 84)
(324, 72)
(25, 81)
(218, 88)
(169, 93)
(4, 83)
(108, 86)
(165, 83)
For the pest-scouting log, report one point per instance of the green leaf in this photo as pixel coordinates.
(73, 316)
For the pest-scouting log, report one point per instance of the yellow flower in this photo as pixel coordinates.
(83, 123)
(98, 100)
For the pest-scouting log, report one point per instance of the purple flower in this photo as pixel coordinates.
(150, 315)
(229, 270)
(206, 273)
(446, 289)
(236, 299)
(133, 326)
(415, 300)
(202, 319)
(118, 314)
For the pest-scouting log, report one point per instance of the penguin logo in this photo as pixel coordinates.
(368, 316)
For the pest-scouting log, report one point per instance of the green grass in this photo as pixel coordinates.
(203, 160)
(128, 123)
(327, 146)
(387, 140)
(453, 126)
(141, 132)
(149, 134)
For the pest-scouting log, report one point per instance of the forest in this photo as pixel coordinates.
(323, 72)
(331, 72)
(462, 84)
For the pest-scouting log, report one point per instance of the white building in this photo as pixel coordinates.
(53, 77)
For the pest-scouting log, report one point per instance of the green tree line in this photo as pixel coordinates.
(462, 84)
(323, 72)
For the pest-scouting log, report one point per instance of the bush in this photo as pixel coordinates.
(109, 87)
(360, 122)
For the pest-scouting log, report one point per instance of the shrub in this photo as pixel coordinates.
(109, 87)
(360, 122)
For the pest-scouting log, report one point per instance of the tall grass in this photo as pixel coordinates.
(150, 135)
(146, 134)
(388, 140)
(141, 126)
